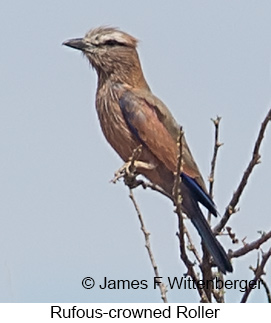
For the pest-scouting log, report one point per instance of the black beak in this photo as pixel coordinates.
(77, 43)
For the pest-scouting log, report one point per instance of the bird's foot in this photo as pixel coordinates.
(129, 170)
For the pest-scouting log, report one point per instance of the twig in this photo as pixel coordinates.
(217, 144)
(129, 174)
(230, 209)
(206, 270)
(207, 273)
(156, 188)
(162, 286)
(219, 293)
(128, 170)
(231, 234)
(189, 265)
(259, 271)
(176, 192)
(250, 246)
(191, 246)
(267, 290)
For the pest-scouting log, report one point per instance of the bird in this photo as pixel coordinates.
(131, 115)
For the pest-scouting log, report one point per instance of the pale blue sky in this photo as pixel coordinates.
(61, 219)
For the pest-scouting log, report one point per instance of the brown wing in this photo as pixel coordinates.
(155, 127)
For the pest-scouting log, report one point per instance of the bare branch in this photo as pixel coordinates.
(191, 246)
(267, 290)
(176, 192)
(156, 188)
(128, 170)
(213, 162)
(230, 209)
(206, 265)
(250, 246)
(162, 286)
(128, 173)
(259, 271)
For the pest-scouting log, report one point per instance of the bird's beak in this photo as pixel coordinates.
(77, 43)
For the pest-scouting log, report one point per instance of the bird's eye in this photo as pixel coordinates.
(111, 42)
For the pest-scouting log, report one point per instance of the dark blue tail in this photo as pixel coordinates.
(213, 246)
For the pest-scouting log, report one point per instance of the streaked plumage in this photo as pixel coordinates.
(131, 115)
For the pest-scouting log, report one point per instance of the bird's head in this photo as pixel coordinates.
(109, 51)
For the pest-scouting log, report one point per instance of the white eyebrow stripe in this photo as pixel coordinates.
(113, 36)
(100, 36)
